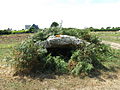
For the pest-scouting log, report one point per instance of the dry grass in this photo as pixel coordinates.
(108, 36)
(108, 81)
(13, 38)
(7, 42)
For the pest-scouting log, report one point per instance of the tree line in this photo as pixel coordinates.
(105, 29)
(34, 28)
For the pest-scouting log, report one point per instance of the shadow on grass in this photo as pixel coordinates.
(99, 70)
(109, 72)
(39, 75)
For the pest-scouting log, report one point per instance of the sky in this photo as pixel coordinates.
(74, 13)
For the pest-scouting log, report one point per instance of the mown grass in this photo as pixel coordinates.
(108, 36)
(12, 38)
(7, 42)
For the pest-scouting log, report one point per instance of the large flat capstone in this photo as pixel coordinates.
(60, 41)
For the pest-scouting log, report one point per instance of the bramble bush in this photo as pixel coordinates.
(29, 57)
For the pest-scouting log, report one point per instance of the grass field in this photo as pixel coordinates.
(109, 80)
(108, 36)
(7, 42)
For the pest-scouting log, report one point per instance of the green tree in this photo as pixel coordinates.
(34, 28)
(108, 28)
(54, 24)
(91, 28)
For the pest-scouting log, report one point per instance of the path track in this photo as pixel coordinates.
(112, 44)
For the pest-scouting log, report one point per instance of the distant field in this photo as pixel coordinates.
(9, 41)
(108, 36)
(12, 39)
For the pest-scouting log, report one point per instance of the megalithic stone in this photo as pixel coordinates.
(60, 41)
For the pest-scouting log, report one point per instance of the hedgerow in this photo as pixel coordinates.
(4, 32)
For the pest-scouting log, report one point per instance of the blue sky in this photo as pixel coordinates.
(74, 13)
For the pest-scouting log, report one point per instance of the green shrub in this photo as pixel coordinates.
(90, 57)
(82, 67)
(86, 57)
(56, 64)
(28, 56)
(34, 28)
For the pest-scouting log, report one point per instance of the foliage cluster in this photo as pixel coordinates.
(30, 57)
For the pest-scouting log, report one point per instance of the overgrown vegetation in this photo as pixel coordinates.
(29, 57)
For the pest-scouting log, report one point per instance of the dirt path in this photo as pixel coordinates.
(112, 44)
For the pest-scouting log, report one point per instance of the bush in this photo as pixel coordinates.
(28, 56)
(56, 64)
(54, 24)
(86, 57)
(34, 28)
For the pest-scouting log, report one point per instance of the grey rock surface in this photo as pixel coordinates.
(60, 41)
